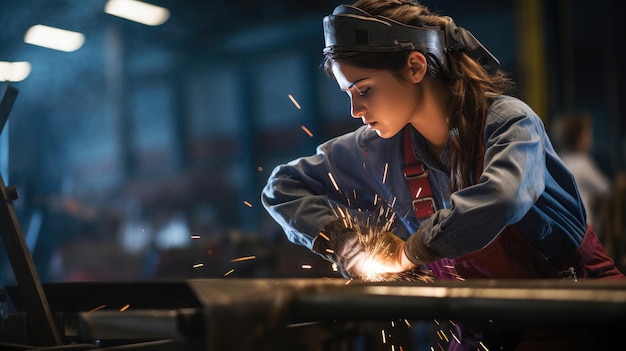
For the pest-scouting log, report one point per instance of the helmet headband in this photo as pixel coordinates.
(350, 29)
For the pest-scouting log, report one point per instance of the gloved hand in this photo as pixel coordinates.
(369, 254)
(341, 245)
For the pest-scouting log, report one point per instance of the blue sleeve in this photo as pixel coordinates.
(512, 180)
(306, 194)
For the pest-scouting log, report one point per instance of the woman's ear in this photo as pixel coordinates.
(417, 66)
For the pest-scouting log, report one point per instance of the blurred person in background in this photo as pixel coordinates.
(602, 192)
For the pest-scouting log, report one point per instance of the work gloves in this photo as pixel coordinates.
(370, 253)
(340, 243)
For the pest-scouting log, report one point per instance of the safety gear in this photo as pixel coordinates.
(339, 243)
(352, 29)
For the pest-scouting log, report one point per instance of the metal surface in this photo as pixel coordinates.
(282, 314)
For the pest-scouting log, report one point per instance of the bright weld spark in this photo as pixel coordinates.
(124, 308)
(483, 345)
(440, 347)
(408, 324)
(97, 308)
(451, 322)
(419, 191)
(444, 335)
(247, 203)
(436, 321)
(195, 237)
(294, 101)
(198, 265)
(324, 236)
(307, 131)
(306, 266)
(332, 179)
(376, 247)
(455, 338)
(384, 338)
(385, 173)
(349, 281)
(229, 272)
(375, 199)
(245, 258)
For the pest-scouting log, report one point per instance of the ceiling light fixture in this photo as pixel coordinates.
(54, 38)
(137, 11)
(14, 71)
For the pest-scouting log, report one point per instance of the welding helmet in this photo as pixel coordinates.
(350, 29)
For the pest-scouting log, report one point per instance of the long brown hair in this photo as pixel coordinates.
(469, 85)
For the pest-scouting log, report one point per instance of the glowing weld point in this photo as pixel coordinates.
(247, 203)
(307, 131)
(385, 174)
(294, 101)
(332, 179)
(306, 266)
(198, 265)
(229, 272)
(124, 308)
(97, 308)
(246, 258)
(195, 237)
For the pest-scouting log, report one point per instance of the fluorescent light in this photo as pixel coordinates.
(14, 71)
(54, 38)
(137, 11)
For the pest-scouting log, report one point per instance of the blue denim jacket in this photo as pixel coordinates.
(523, 182)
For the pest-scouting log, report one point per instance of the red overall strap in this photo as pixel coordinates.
(417, 176)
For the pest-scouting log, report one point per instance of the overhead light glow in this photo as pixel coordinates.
(14, 71)
(54, 38)
(138, 11)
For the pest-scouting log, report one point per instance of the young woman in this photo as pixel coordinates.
(462, 174)
(498, 199)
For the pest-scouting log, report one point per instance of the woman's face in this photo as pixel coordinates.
(383, 101)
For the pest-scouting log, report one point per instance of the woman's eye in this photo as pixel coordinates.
(364, 92)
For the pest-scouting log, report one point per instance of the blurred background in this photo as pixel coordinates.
(141, 151)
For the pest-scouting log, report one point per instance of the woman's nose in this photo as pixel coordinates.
(357, 109)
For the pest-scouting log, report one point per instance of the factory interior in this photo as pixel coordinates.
(139, 154)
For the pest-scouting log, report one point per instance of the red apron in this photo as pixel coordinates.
(510, 255)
